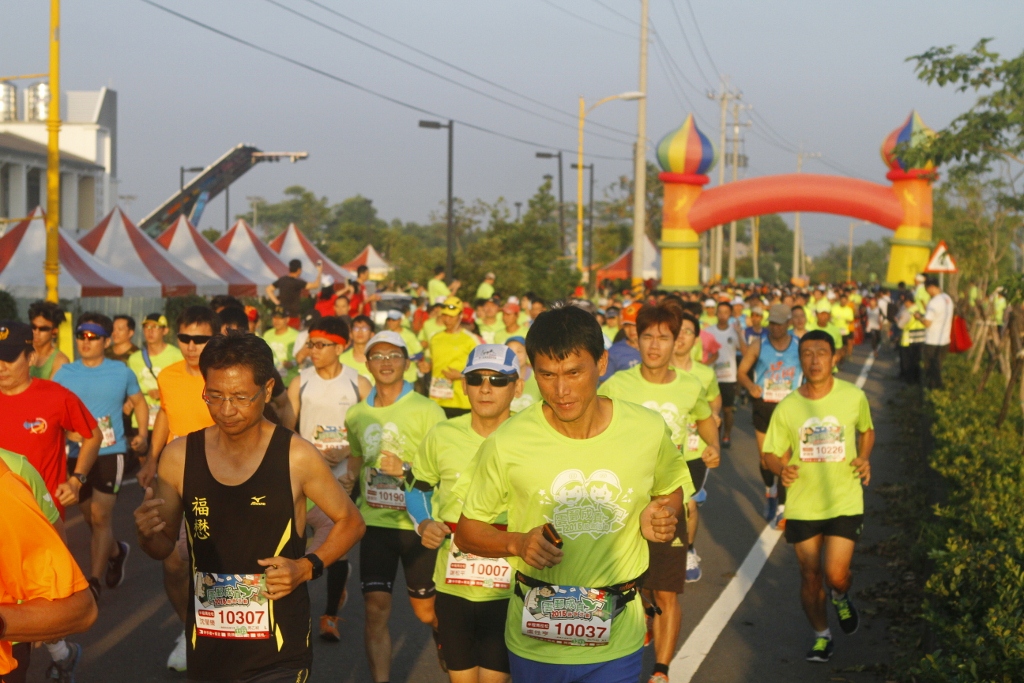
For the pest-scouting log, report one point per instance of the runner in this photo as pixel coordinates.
(394, 323)
(385, 432)
(147, 363)
(680, 398)
(682, 359)
(321, 396)
(46, 319)
(35, 415)
(625, 353)
(355, 356)
(104, 386)
(826, 424)
(437, 290)
(241, 486)
(798, 320)
(472, 592)
(775, 362)
(584, 481)
(121, 346)
(823, 321)
(281, 339)
(287, 290)
(843, 316)
(447, 353)
(362, 300)
(730, 340)
(512, 328)
(489, 323)
(486, 288)
(182, 412)
(43, 594)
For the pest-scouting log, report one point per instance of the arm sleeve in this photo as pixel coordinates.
(418, 505)
(355, 445)
(864, 421)
(777, 440)
(132, 382)
(701, 409)
(488, 494)
(37, 486)
(671, 471)
(713, 390)
(77, 417)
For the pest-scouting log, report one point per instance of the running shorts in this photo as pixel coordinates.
(105, 476)
(382, 549)
(622, 670)
(699, 475)
(472, 634)
(847, 526)
(274, 676)
(762, 412)
(728, 390)
(667, 570)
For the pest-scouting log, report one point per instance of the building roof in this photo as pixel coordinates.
(23, 146)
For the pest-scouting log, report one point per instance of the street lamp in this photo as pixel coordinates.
(590, 218)
(449, 261)
(628, 96)
(183, 170)
(561, 197)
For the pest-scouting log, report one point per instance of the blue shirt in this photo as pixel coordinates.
(778, 373)
(621, 356)
(103, 389)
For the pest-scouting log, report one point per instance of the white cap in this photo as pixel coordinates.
(709, 303)
(386, 337)
(326, 280)
(496, 357)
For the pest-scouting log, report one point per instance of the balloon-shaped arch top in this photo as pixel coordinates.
(861, 199)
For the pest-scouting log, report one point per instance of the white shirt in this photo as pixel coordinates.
(874, 318)
(725, 366)
(940, 314)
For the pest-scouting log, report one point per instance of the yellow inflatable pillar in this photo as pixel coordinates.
(679, 243)
(912, 244)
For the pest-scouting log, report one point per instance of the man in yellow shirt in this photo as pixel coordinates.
(449, 350)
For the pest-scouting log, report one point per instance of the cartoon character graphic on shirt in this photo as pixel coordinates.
(670, 413)
(380, 440)
(822, 440)
(587, 505)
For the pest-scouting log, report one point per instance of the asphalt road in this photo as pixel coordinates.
(763, 640)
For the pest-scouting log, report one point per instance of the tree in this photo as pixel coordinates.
(869, 262)
(775, 253)
(310, 214)
(212, 234)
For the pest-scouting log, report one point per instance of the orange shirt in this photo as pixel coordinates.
(181, 399)
(34, 563)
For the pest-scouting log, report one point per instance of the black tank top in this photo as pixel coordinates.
(232, 631)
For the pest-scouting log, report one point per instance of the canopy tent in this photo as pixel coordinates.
(622, 267)
(188, 244)
(116, 241)
(23, 251)
(292, 244)
(241, 245)
(369, 257)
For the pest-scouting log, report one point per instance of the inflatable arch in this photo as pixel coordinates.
(686, 154)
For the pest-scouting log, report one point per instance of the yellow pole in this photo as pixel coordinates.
(579, 195)
(849, 255)
(51, 269)
(640, 160)
(757, 246)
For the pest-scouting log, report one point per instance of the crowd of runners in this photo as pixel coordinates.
(536, 470)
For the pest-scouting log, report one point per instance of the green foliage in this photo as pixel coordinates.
(975, 594)
(175, 306)
(8, 307)
(776, 249)
(212, 234)
(870, 260)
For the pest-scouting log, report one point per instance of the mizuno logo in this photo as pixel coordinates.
(257, 500)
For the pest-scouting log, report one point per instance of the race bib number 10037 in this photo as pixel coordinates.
(231, 606)
(568, 615)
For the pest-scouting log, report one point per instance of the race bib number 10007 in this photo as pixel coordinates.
(464, 569)
(568, 615)
(231, 606)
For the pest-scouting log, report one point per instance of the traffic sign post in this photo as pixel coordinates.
(941, 262)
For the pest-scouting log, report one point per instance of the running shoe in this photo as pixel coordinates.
(329, 628)
(779, 522)
(115, 566)
(693, 572)
(726, 442)
(821, 651)
(94, 586)
(849, 619)
(771, 507)
(658, 677)
(176, 661)
(64, 670)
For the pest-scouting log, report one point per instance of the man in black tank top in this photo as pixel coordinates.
(242, 487)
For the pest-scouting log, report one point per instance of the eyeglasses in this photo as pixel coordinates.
(497, 381)
(237, 401)
(37, 328)
(319, 346)
(687, 332)
(197, 339)
(391, 357)
(87, 336)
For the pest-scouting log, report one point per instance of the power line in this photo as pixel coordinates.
(617, 12)
(701, 36)
(686, 39)
(362, 88)
(588, 21)
(456, 67)
(433, 73)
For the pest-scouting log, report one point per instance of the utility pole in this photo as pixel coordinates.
(450, 258)
(735, 176)
(588, 244)
(561, 196)
(51, 267)
(717, 234)
(640, 169)
(798, 235)
(849, 254)
(755, 243)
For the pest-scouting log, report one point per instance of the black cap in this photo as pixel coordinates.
(279, 312)
(15, 337)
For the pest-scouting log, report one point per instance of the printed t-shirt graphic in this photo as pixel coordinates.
(725, 366)
(778, 372)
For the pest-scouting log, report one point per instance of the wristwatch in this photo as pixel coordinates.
(318, 565)
(79, 476)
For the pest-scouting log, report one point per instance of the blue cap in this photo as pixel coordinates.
(496, 357)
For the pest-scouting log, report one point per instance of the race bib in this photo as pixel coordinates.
(774, 392)
(383, 491)
(329, 436)
(568, 615)
(231, 606)
(822, 441)
(692, 437)
(464, 569)
(153, 410)
(107, 430)
(442, 388)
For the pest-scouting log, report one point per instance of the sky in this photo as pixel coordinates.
(830, 77)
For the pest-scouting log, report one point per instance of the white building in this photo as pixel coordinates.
(88, 166)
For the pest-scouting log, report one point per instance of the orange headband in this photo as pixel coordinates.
(337, 339)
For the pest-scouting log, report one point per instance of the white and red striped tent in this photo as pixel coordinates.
(241, 245)
(369, 257)
(188, 244)
(23, 251)
(117, 242)
(292, 244)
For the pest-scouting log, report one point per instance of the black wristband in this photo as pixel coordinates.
(318, 565)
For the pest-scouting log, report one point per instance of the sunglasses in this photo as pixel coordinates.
(84, 336)
(496, 381)
(197, 339)
(36, 328)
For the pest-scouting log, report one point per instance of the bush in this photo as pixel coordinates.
(975, 594)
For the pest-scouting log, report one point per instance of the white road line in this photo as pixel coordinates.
(699, 644)
(703, 638)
